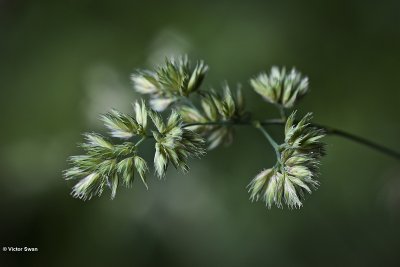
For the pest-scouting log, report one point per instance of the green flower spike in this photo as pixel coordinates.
(296, 168)
(227, 107)
(280, 88)
(174, 80)
(174, 143)
(106, 164)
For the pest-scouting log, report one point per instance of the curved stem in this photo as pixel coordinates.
(141, 140)
(329, 130)
(258, 126)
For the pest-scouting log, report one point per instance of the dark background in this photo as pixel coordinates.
(64, 62)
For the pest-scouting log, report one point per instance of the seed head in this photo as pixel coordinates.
(296, 169)
(281, 88)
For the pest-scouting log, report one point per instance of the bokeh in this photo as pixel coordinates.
(64, 62)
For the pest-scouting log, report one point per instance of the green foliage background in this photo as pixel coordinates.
(63, 62)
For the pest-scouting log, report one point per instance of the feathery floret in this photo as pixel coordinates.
(175, 79)
(281, 88)
(174, 143)
(296, 168)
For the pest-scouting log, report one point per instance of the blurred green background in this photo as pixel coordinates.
(64, 62)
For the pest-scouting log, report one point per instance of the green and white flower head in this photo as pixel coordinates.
(281, 88)
(105, 164)
(296, 169)
(174, 144)
(224, 107)
(175, 79)
(124, 126)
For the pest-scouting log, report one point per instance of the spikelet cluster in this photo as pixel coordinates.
(281, 88)
(105, 164)
(175, 79)
(108, 165)
(227, 107)
(296, 169)
(174, 144)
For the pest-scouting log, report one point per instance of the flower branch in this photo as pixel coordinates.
(194, 127)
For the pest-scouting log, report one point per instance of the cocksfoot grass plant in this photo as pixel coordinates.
(184, 119)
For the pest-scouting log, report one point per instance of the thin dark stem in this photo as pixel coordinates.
(360, 140)
(328, 130)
